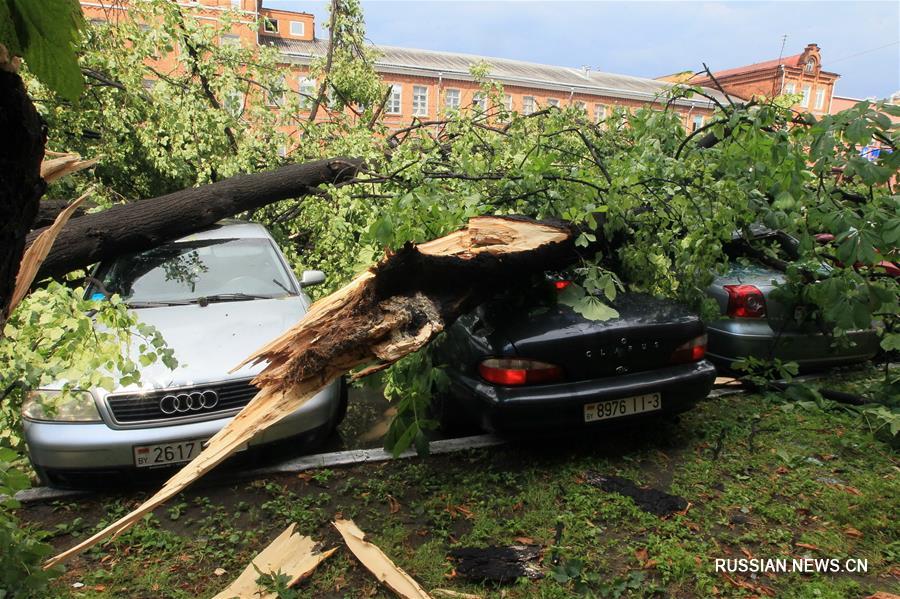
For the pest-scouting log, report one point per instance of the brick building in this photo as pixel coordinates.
(425, 83)
(798, 74)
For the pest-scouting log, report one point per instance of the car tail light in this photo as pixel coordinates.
(745, 301)
(560, 285)
(511, 372)
(690, 351)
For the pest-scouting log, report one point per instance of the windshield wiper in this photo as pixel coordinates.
(157, 304)
(228, 297)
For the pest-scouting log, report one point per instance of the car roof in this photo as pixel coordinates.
(230, 229)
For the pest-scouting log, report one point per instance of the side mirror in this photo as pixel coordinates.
(312, 277)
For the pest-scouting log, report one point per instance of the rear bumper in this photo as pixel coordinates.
(732, 340)
(561, 406)
(86, 446)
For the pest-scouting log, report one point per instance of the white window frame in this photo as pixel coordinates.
(820, 98)
(275, 96)
(599, 113)
(307, 89)
(239, 101)
(790, 88)
(298, 28)
(553, 102)
(807, 94)
(238, 4)
(697, 122)
(508, 102)
(451, 98)
(528, 104)
(267, 23)
(420, 100)
(395, 100)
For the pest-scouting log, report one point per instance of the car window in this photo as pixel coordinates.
(180, 271)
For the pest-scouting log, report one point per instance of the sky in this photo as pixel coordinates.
(859, 39)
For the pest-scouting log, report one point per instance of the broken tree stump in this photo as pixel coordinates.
(391, 310)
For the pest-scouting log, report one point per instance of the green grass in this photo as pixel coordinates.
(761, 476)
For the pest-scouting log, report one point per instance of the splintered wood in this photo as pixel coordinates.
(378, 563)
(385, 313)
(37, 252)
(290, 553)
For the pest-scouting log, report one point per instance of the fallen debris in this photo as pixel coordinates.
(498, 564)
(389, 311)
(378, 563)
(290, 553)
(448, 594)
(650, 500)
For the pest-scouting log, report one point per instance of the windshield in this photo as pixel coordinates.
(189, 271)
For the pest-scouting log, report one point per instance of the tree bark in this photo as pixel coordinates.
(22, 138)
(147, 223)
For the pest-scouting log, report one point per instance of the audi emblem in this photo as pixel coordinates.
(182, 403)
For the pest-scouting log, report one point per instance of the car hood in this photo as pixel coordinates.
(208, 341)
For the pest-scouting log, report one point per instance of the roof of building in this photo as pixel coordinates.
(452, 65)
(788, 61)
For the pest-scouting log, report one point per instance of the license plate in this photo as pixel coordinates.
(167, 453)
(615, 408)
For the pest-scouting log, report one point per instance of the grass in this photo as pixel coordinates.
(764, 478)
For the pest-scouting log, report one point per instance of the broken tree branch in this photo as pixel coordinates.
(145, 224)
(389, 311)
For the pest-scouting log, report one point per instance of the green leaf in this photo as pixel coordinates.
(8, 36)
(47, 32)
(593, 308)
(891, 342)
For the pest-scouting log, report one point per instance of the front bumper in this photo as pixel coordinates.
(731, 340)
(561, 406)
(86, 446)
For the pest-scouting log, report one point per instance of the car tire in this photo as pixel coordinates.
(452, 418)
(343, 401)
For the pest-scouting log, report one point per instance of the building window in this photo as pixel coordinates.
(230, 40)
(790, 88)
(552, 102)
(451, 99)
(234, 103)
(282, 150)
(696, 122)
(480, 100)
(527, 104)
(307, 92)
(270, 25)
(807, 90)
(395, 102)
(581, 106)
(420, 100)
(276, 93)
(810, 65)
(507, 102)
(599, 113)
(236, 4)
(298, 28)
(820, 98)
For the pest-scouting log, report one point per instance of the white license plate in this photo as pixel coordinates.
(167, 453)
(615, 408)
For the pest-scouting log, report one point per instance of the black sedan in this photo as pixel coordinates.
(519, 364)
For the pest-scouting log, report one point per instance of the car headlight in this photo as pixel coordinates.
(61, 406)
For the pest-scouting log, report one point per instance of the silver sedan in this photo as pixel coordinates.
(215, 296)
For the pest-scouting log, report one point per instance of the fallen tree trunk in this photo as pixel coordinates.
(147, 223)
(391, 310)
